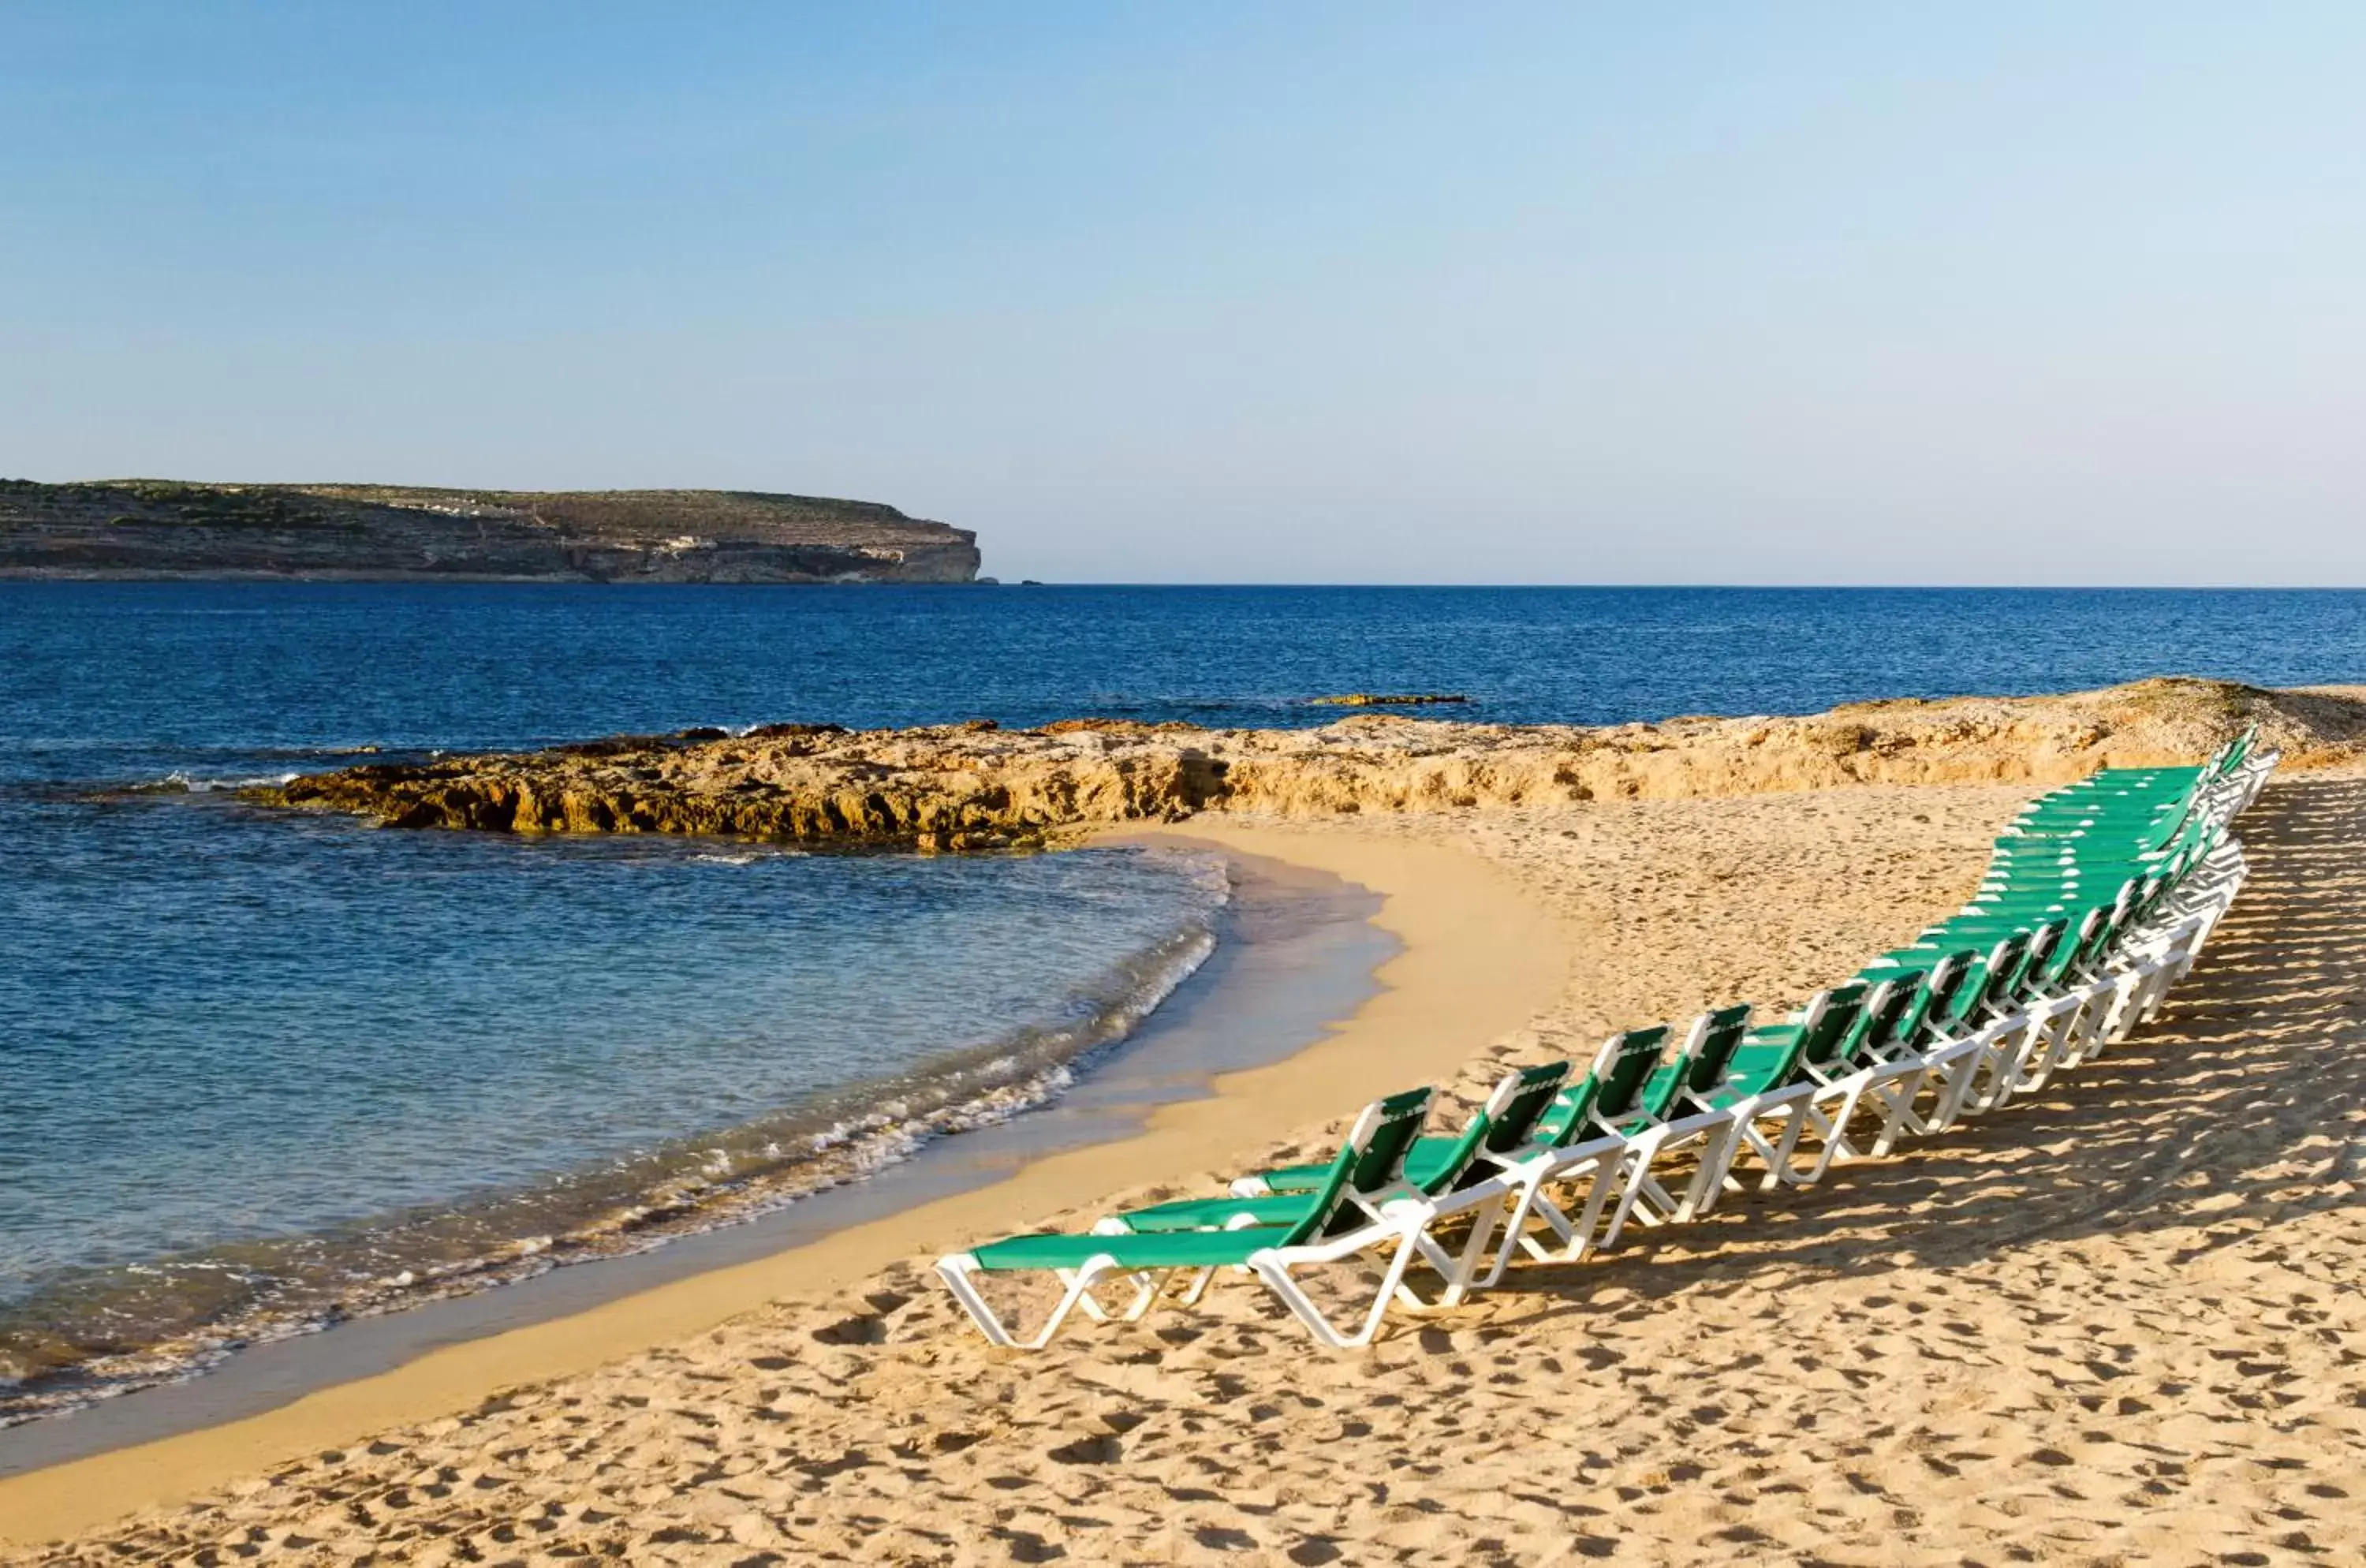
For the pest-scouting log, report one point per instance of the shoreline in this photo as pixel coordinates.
(1478, 956)
(1293, 952)
(372, 1284)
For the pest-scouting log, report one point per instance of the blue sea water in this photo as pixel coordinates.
(259, 1069)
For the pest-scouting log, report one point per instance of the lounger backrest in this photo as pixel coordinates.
(1506, 1122)
(1700, 1061)
(1829, 1017)
(2187, 818)
(2049, 947)
(1816, 1031)
(1717, 1036)
(1622, 1069)
(2083, 951)
(2125, 906)
(1571, 1116)
(1373, 1157)
(2237, 752)
(1569, 1111)
(1892, 1013)
(1945, 997)
(1999, 983)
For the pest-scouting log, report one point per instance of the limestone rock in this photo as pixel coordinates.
(974, 786)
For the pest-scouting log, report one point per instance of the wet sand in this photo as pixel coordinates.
(2117, 1323)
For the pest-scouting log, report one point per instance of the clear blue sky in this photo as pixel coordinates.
(1352, 292)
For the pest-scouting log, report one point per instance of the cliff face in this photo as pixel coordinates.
(973, 787)
(160, 528)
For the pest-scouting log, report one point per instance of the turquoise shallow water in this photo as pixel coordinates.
(256, 1070)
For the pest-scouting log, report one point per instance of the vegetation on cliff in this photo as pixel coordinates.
(976, 787)
(167, 528)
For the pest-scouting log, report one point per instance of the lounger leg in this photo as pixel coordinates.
(1586, 1228)
(1710, 1176)
(959, 1272)
(1786, 1150)
(1833, 1128)
(1965, 1078)
(2003, 1063)
(2049, 1038)
(1200, 1281)
(1516, 1230)
(2114, 1014)
(1576, 1236)
(1459, 1269)
(1897, 1093)
(1271, 1267)
(1634, 1172)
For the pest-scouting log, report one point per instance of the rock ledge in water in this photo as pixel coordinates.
(973, 787)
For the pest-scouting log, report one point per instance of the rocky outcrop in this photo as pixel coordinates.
(976, 787)
(163, 528)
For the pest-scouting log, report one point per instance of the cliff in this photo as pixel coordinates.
(163, 528)
(973, 787)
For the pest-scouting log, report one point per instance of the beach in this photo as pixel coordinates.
(2082, 1331)
(1169, 784)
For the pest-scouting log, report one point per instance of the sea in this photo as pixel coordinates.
(261, 1072)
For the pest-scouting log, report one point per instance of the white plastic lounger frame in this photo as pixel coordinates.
(1596, 1164)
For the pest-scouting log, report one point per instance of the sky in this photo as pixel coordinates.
(1312, 292)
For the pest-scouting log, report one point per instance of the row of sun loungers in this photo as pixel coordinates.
(2097, 900)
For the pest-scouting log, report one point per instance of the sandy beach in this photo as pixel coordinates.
(1576, 783)
(2116, 1324)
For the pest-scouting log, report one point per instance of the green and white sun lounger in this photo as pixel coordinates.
(1499, 1132)
(1589, 1148)
(1669, 1119)
(1765, 1091)
(1365, 1206)
(1879, 1056)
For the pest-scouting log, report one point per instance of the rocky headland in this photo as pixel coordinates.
(160, 528)
(977, 786)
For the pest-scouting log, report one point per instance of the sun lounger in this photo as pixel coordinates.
(1668, 1119)
(1365, 1206)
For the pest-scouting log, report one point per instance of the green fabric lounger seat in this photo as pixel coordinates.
(1365, 1206)
(1173, 1250)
